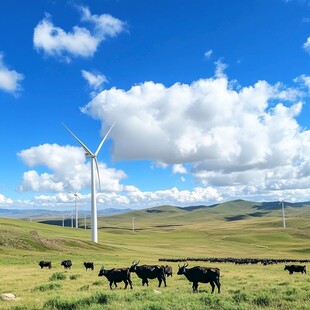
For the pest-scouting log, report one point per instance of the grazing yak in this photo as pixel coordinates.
(168, 271)
(116, 275)
(201, 274)
(43, 264)
(295, 268)
(146, 272)
(88, 265)
(66, 263)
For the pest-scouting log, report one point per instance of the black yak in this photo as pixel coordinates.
(43, 264)
(116, 275)
(201, 274)
(295, 268)
(66, 263)
(146, 272)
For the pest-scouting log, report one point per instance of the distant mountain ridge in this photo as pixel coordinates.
(44, 213)
(234, 210)
(259, 205)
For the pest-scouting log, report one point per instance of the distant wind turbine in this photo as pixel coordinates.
(94, 162)
(283, 213)
(76, 196)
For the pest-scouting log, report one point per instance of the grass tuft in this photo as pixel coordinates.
(47, 287)
(84, 288)
(239, 296)
(74, 276)
(57, 303)
(262, 300)
(58, 276)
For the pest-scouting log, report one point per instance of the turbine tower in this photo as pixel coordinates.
(76, 196)
(94, 162)
(283, 213)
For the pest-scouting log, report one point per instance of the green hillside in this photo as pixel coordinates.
(234, 229)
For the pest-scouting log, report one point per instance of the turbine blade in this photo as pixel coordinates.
(86, 149)
(97, 166)
(100, 145)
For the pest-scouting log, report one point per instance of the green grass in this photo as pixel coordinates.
(58, 276)
(161, 232)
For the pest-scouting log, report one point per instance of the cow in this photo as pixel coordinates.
(116, 275)
(201, 274)
(66, 263)
(43, 264)
(88, 265)
(295, 268)
(168, 271)
(146, 272)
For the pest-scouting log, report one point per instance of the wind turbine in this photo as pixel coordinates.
(94, 162)
(283, 213)
(76, 196)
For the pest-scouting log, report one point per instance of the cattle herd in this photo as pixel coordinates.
(195, 274)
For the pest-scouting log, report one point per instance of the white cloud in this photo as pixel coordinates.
(208, 54)
(136, 197)
(130, 196)
(235, 141)
(178, 168)
(304, 80)
(9, 79)
(68, 170)
(80, 42)
(94, 80)
(306, 45)
(247, 138)
(5, 201)
(220, 68)
(105, 24)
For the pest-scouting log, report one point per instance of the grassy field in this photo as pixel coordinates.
(235, 229)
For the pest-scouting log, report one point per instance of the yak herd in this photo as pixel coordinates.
(195, 274)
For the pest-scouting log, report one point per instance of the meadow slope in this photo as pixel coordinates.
(236, 229)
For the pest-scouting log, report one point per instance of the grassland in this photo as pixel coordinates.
(235, 229)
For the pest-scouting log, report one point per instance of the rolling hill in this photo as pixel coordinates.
(232, 229)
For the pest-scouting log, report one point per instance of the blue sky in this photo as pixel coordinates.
(210, 100)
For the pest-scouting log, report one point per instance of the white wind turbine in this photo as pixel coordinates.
(283, 213)
(76, 196)
(94, 162)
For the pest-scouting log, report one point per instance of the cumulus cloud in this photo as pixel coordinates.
(68, 170)
(131, 197)
(178, 168)
(5, 201)
(245, 138)
(135, 197)
(81, 41)
(304, 80)
(94, 80)
(306, 45)
(9, 79)
(232, 140)
(105, 25)
(220, 68)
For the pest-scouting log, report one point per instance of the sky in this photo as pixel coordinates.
(210, 100)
